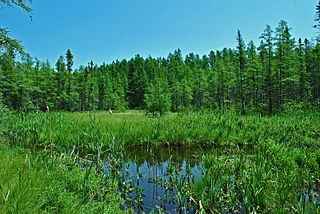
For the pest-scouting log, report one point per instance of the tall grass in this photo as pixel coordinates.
(91, 131)
(281, 175)
(273, 180)
(31, 184)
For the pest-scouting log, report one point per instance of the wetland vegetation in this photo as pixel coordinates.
(209, 161)
(234, 131)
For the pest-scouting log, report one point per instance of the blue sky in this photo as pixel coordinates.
(107, 30)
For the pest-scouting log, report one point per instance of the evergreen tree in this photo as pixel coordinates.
(267, 50)
(69, 58)
(212, 80)
(241, 59)
(9, 80)
(280, 40)
(61, 95)
(316, 73)
(101, 85)
(90, 92)
(309, 69)
(175, 71)
(279, 71)
(302, 71)
(137, 82)
(157, 98)
(221, 80)
(200, 82)
(253, 77)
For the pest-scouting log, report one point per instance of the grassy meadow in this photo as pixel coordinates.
(40, 156)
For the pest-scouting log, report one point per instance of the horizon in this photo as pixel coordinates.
(108, 31)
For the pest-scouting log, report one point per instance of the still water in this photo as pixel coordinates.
(151, 177)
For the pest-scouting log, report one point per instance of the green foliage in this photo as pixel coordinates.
(270, 181)
(280, 78)
(7, 44)
(294, 128)
(20, 3)
(227, 79)
(277, 175)
(262, 79)
(157, 98)
(32, 183)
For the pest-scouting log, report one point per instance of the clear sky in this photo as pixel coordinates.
(107, 30)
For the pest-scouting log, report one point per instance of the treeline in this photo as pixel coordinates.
(280, 71)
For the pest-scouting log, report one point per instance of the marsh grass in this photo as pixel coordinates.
(91, 131)
(273, 180)
(30, 183)
(280, 175)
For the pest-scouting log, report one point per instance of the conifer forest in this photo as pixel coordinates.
(236, 130)
(264, 78)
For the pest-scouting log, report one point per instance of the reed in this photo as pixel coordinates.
(29, 183)
(91, 131)
(280, 174)
(270, 181)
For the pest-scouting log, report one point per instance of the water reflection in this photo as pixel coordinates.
(151, 177)
(156, 177)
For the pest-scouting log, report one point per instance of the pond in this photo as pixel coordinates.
(159, 177)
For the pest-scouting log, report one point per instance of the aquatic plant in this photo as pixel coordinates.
(280, 173)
